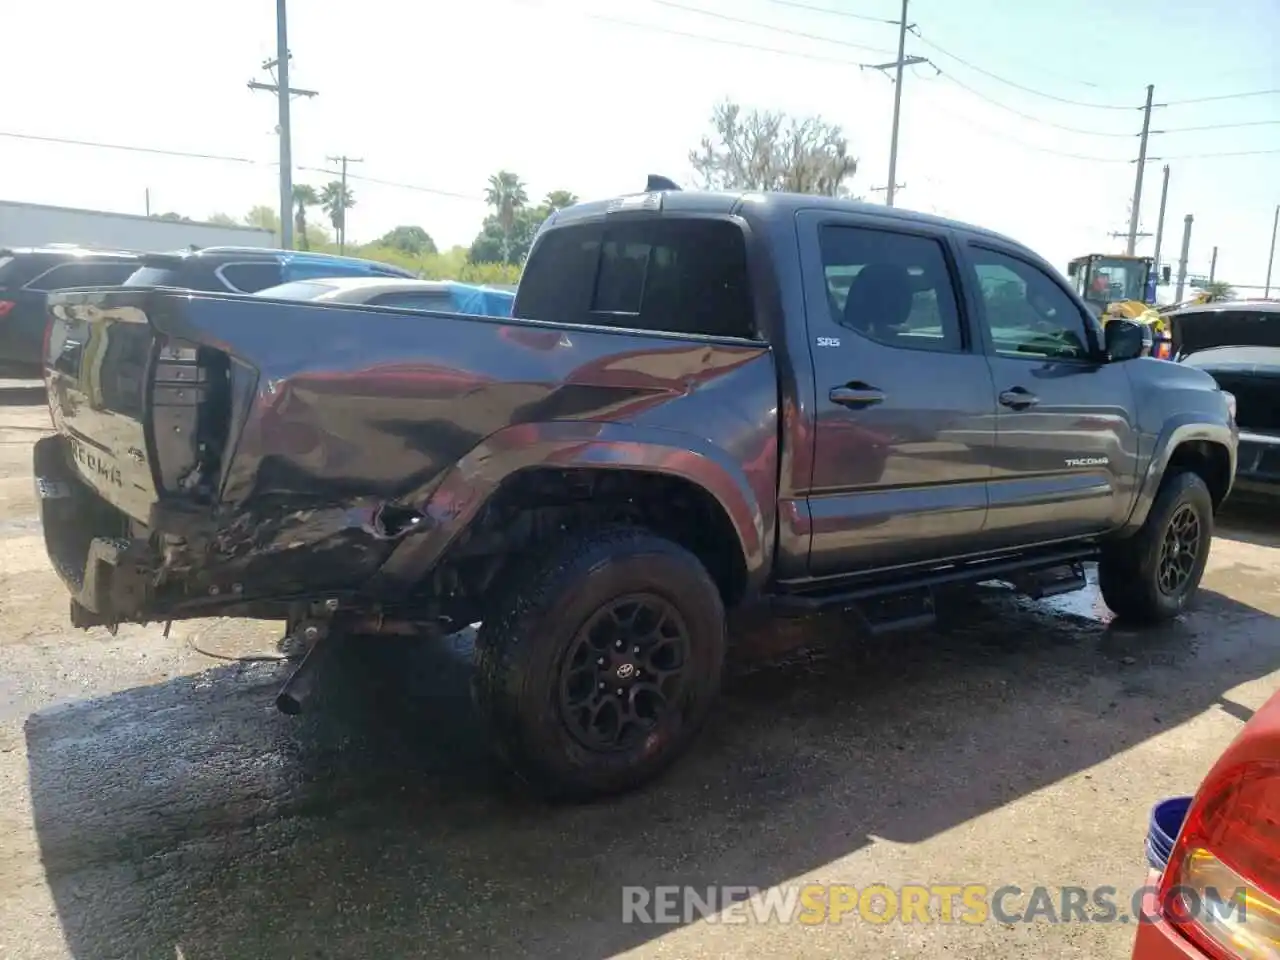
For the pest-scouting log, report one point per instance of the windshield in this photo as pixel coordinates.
(298, 290)
(1111, 281)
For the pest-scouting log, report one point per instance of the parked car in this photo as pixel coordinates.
(1238, 343)
(27, 274)
(446, 295)
(1218, 897)
(671, 429)
(249, 269)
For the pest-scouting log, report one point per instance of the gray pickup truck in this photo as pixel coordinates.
(707, 401)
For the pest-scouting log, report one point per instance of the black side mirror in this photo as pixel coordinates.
(1165, 273)
(1127, 340)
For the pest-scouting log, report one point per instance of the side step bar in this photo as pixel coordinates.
(911, 603)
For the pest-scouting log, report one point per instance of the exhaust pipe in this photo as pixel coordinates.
(301, 683)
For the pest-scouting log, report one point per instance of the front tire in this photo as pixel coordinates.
(600, 662)
(1152, 576)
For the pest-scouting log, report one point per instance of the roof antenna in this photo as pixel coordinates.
(657, 183)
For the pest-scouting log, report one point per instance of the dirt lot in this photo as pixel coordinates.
(153, 804)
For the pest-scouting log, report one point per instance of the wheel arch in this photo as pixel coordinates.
(1206, 449)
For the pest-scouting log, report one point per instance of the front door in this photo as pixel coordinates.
(1066, 446)
(904, 406)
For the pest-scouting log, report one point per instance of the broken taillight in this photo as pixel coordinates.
(1222, 886)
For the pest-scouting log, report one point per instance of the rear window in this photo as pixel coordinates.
(154, 277)
(82, 274)
(686, 276)
(301, 290)
(250, 277)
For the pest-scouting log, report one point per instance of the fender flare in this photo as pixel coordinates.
(1185, 428)
(452, 501)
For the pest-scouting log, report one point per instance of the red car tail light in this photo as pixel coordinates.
(5, 307)
(1222, 885)
(1163, 350)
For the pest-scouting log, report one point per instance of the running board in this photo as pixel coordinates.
(1041, 575)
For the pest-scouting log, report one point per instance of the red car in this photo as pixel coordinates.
(1218, 898)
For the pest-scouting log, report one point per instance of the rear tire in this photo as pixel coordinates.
(600, 662)
(1152, 576)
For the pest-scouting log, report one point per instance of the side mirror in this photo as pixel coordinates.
(1073, 269)
(1165, 273)
(1127, 339)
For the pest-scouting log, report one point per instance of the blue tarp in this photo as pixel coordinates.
(481, 301)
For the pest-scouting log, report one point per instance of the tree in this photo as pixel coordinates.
(496, 244)
(264, 218)
(558, 200)
(1219, 290)
(336, 200)
(507, 195)
(762, 150)
(222, 220)
(304, 196)
(411, 240)
(171, 216)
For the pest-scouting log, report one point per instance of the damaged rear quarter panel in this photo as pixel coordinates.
(357, 407)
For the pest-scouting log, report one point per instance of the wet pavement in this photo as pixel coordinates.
(154, 804)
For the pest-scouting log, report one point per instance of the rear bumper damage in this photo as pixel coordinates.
(191, 562)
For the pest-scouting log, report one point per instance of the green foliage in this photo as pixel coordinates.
(171, 216)
(1219, 290)
(305, 235)
(762, 150)
(263, 217)
(508, 232)
(411, 240)
(222, 220)
(452, 264)
(335, 201)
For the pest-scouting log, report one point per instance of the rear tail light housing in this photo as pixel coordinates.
(1163, 349)
(6, 307)
(1221, 889)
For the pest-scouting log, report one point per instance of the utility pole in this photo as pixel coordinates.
(283, 92)
(897, 65)
(148, 201)
(1182, 260)
(1142, 165)
(1164, 196)
(1213, 265)
(1271, 257)
(342, 214)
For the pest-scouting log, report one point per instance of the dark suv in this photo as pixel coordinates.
(249, 269)
(27, 274)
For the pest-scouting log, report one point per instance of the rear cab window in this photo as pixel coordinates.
(661, 274)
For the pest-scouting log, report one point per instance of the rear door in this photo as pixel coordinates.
(1066, 441)
(905, 408)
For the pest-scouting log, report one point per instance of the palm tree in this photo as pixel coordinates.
(336, 199)
(558, 200)
(304, 195)
(1218, 290)
(507, 195)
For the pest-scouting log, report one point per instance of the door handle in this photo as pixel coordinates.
(856, 395)
(1019, 398)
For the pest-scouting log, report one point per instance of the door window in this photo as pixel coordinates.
(1029, 315)
(894, 288)
(92, 274)
(250, 277)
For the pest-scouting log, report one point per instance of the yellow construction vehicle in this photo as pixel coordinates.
(1116, 285)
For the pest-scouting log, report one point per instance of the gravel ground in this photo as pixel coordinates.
(153, 803)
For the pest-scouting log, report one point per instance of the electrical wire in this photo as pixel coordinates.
(392, 183)
(125, 147)
(1221, 97)
(1206, 156)
(1218, 126)
(847, 14)
(1017, 86)
(1027, 116)
(773, 28)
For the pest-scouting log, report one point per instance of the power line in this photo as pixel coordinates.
(1219, 126)
(392, 183)
(1223, 96)
(772, 27)
(1017, 86)
(1027, 116)
(130, 149)
(847, 14)
(1205, 156)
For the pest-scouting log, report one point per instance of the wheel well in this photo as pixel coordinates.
(533, 506)
(1209, 460)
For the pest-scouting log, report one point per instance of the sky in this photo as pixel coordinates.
(1025, 120)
